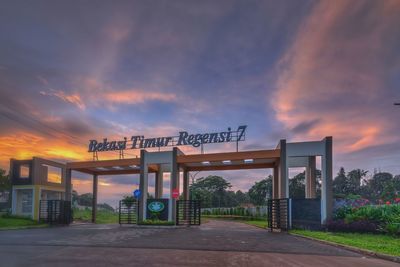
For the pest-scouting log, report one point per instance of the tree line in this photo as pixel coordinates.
(215, 191)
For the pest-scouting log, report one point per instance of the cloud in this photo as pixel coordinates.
(74, 98)
(335, 79)
(136, 96)
(42, 80)
(25, 145)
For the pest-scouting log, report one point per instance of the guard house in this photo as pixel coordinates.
(35, 180)
(32, 179)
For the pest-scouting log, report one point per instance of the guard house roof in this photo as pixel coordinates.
(255, 159)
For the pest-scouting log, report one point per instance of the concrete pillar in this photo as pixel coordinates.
(283, 172)
(14, 200)
(326, 187)
(185, 185)
(143, 186)
(174, 184)
(36, 202)
(94, 201)
(68, 185)
(311, 176)
(275, 182)
(159, 182)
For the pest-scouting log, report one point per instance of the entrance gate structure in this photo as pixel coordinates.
(284, 156)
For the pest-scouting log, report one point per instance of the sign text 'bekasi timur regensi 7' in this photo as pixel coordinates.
(184, 138)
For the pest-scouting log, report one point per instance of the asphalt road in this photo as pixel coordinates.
(217, 243)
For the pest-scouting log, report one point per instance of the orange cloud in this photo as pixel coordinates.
(333, 75)
(74, 99)
(136, 96)
(23, 145)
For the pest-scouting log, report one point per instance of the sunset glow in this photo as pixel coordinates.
(297, 70)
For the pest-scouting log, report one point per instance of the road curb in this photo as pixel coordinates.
(354, 249)
(156, 226)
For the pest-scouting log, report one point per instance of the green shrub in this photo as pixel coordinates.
(386, 217)
(11, 216)
(392, 228)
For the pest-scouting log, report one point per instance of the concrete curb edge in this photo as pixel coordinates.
(354, 249)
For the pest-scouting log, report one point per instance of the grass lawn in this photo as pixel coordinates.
(261, 223)
(257, 223)
(102, 216)
(7, 223)
(375, 242)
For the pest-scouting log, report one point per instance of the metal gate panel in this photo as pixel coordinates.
(128, 212)
(278, 214)
(188, 212)
(55, 211)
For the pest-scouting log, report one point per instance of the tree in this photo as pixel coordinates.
(297, 188)
(340, 182)
(5, 183)
(260, 191)
(354, 179)
(396, 183)
(350, 184)
(128, 200)
(242, 197)
(381, 185)
(85, 199)
(106, 207)
(211, 190)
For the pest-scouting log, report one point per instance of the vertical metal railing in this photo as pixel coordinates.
(55, 211)
(188, 212)
(128, 212)
(278, 214)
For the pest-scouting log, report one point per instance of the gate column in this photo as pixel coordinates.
(275, 182)
(174, 184)
(283, 171)
(94, 200)
(326, 187)
(185, 185)
(68, 185)
(159, 182)
(143, 186)
(311, 178)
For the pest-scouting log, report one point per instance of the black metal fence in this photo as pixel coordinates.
(55, 211)
(278, 214)
(306, 213)
(188, 212)
(128, 212)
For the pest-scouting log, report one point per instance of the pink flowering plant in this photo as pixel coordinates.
(367, 218)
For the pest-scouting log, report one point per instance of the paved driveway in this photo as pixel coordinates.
(217, 243)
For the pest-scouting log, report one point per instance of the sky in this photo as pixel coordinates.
(71, 71)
